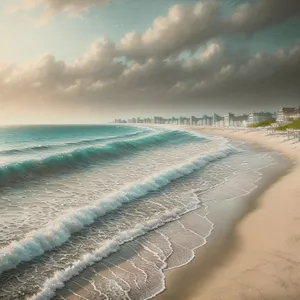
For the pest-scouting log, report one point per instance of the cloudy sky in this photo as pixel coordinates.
(77, 61)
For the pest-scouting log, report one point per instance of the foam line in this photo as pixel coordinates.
(110, 246)
(67, 144)
(85, 156)
(60, 230)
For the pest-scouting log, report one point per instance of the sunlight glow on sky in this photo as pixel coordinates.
(83, 69)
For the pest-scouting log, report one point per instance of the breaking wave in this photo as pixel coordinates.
(85, 156)
(60, 230)
(68, 144)
(110, 246)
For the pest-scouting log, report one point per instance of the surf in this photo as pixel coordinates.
(54, 146)
(60, 230)
(83, 157)
(108, 247)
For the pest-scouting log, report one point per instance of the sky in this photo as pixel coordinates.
(90, 61)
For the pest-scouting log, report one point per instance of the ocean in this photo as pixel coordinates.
(101, 212)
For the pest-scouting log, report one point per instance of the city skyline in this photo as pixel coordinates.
(283, 116)
(88, 62)
(206, 120)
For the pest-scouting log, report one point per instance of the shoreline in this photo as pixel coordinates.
(238, 266)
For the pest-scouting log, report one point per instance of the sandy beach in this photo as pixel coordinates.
(260, 259)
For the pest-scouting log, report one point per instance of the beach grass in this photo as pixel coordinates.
(262, 124)
(295, 124)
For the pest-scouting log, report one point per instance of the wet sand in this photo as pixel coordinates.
(258, 257)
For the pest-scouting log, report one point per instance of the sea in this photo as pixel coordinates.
(103, 212)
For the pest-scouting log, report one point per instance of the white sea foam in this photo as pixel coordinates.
(108, 247)
(59, 231)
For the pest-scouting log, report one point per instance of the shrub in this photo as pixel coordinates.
(295, 124)
(262, 124)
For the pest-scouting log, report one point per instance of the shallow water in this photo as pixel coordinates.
(99, 212)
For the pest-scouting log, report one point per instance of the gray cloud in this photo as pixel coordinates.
(263, 79)
(252, 17)
(98, 63)
(215, 74)
(183, 28)
(150, 75)
(187, 27)
(73, 8)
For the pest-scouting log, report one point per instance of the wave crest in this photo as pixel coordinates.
(85, 156)
(68, 144)
(60, 230)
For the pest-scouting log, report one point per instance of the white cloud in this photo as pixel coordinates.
(157, 75)
(99, 62)
(184, 27)
(217, 72)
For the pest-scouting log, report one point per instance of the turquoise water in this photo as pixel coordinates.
(99, 212)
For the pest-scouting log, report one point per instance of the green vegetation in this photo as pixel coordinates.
(262, 124)
(295, 124)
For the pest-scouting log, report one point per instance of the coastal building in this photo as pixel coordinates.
(207, 121)
(297, 113)
(193, 120)
(120, 121)
(174, 120)
(133, 120)
(242, 120)
(235, 121)
(228, 119)
(285, 114)
(199, 121)
(217, 120)
(184, 121)
(219, 123)
(257, 117)
(159, 120)
(244, 123)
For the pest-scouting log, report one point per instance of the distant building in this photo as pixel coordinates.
(217, 120)
(297, 113)
(120, 121)
(199, 122)
(240, 121)
(228, 119)
(174, 120)
(207, 121)
(159, 120)
(257, 117)
(241, 118)
(284, 114)
(133, 120)
(184, 121)
(235, 121)
(193, 120)
(219, 123)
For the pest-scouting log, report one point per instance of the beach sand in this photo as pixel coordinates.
(260, 257)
